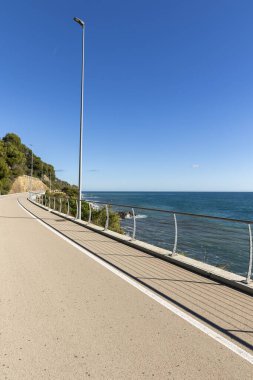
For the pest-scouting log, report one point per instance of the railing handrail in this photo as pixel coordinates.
(173, 212)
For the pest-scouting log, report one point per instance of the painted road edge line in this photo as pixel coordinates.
(200, 326)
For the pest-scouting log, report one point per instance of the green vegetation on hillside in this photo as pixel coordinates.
(16, 160)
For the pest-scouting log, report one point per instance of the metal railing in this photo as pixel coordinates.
(221, 242)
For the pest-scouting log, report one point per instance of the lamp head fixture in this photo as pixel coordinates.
(79, 21)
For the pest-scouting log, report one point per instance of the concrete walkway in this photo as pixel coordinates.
(65, 316)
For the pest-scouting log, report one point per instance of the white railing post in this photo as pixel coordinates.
(60, 205)
(49, 202)
(107, 217)
(248, 277)
(174, 252)
(54, 203)
(76, 208)
(134, 226)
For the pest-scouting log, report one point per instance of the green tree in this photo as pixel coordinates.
(15, 159)
(4, 169)
(5, 185)
(12, 138)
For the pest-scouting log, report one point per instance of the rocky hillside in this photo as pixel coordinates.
(16, 162)
(25, 183)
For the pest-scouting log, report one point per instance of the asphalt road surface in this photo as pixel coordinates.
(67, 316)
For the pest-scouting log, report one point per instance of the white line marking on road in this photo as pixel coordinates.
(211, 333)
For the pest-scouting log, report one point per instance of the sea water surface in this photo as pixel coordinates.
(219, 243)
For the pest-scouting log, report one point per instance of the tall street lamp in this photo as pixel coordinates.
(50, 181)
(79, 208)
(31, 170)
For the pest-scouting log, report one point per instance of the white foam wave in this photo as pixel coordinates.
(141, 216)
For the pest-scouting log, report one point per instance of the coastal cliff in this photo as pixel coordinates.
(25, 183)
(17, 161)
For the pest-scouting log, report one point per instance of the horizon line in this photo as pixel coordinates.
(170, 191)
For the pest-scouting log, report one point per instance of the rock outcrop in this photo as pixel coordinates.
(25, 183)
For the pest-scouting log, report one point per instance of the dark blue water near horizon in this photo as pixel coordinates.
(223, 244)
(238, 205)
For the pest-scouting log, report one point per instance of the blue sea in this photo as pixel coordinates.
(219, 243)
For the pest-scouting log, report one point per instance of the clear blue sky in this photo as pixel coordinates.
(168, 90)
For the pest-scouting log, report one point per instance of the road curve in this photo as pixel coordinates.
(64, 316)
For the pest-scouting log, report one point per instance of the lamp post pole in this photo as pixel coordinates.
(31, 172)
(79, 208)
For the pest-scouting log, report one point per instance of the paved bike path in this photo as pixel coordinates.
(65, 316)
